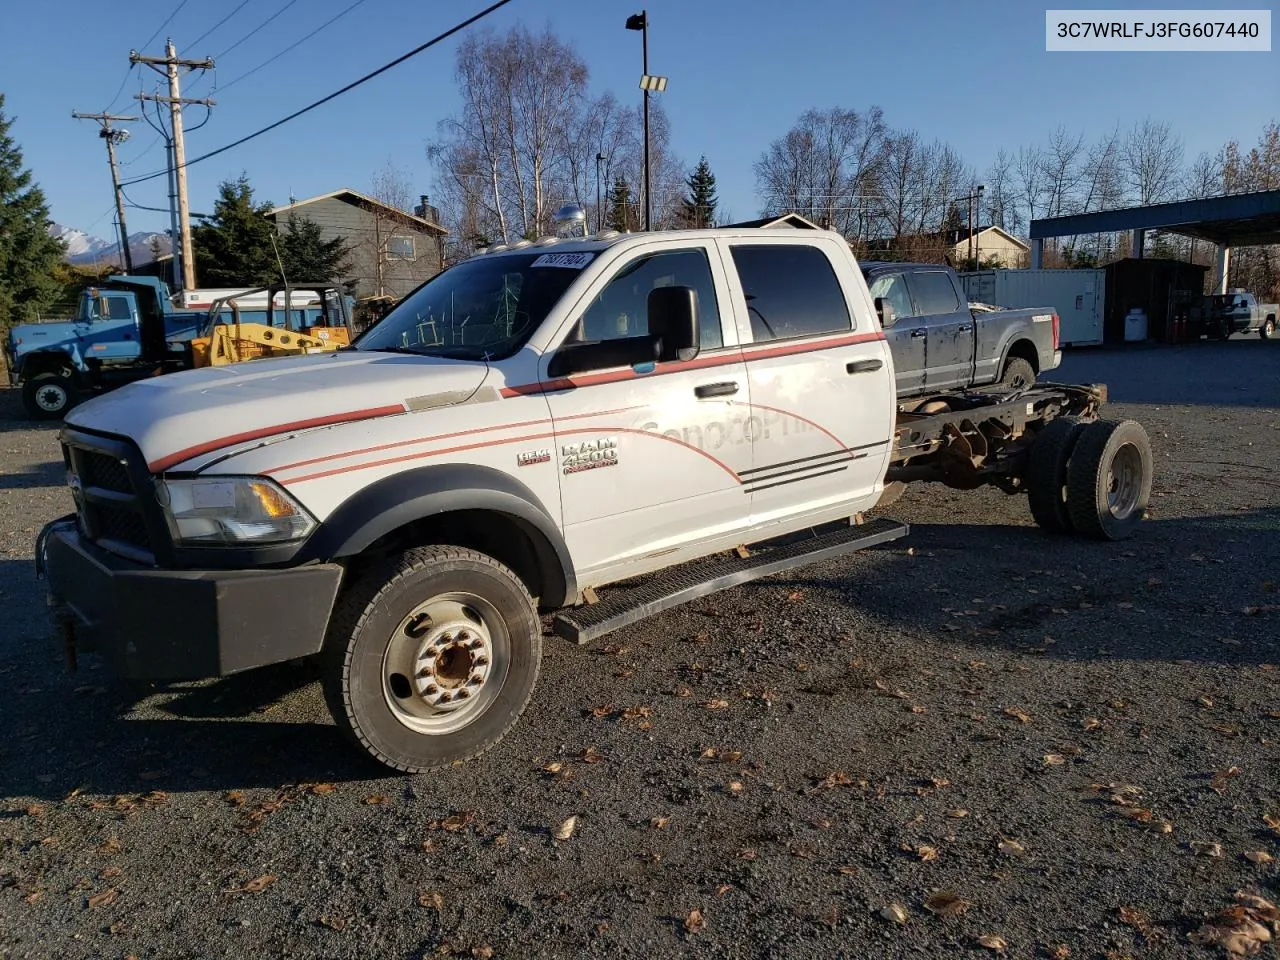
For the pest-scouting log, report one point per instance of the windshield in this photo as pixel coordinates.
(484, 308)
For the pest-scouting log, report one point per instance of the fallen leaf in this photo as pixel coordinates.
(105, 898)
(432, 900)
(723, 889)
(376, 799)
(565, 830)
(108, 847)
(659, 823)
(735, 787)
(1271, 821)
(256, 885)
(323, 788)
(1205, 848)
(694, 922)
(592, 755)
(601, 712)
(333, 923)
(1260, 857)
(35, 810)
(1011, 848)
(992, 942)
(1054, 759)
(454, 823)
(1091, 723)
(716, 704)
(847, 871)
(795, 596)
(1242, 929)
(837, 778)
(1222, 777)
(895, 913)
(553, 767)
(946, 904)
(1132, 917)
(1060, 952)
(109, 873)
(747, 853)
(483, 951)
(957, 814)
(1019, 715)
(234, 797)
(926, 852)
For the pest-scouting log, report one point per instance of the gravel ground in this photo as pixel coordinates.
(1079, 741)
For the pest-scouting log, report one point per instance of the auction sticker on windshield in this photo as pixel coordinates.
(574, 261)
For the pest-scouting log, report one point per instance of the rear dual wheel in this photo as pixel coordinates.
(1093, 479)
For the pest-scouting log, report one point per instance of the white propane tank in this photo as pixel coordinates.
(1135, 325)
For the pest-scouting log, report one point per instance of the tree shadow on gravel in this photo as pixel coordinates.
(1201, 589)
(50, 474)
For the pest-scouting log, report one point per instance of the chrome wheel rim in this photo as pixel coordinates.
(445, 663)
(1124, 481)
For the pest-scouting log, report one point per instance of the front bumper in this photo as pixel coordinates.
(182, 624)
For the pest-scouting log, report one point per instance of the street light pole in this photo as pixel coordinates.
(640, 22)
(600, 157)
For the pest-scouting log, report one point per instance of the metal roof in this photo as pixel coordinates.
(1239, 220)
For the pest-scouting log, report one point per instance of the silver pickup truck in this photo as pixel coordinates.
(939, 342)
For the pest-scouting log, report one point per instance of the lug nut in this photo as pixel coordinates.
(481, 661)
(446, 697)
(432, 689)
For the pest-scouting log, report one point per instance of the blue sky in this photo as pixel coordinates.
(973, 74)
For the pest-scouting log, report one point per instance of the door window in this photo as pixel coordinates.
(621, 309)
(791, 291)
(892, 289)
(935, 293)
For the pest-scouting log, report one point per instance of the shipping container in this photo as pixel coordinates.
(1078, 297)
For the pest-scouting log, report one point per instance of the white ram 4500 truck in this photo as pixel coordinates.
(533, 424)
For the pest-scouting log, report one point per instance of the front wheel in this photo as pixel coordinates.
(48, 396)
(432, 657)
(1268, 328)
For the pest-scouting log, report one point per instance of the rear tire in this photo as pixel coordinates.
(431, 657)
(1018, 374)
(1109, 479)
(1268, 328)
(1047, 474)
(48, 396)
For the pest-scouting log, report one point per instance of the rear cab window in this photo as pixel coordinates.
(934, 293)
(791, 291)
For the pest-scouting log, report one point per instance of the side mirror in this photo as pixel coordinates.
(673, 318)
(884, 310)
(591, 355)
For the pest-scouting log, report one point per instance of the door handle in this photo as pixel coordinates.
(723, 389)
(863, 366)
(917, 334)
(963, 328)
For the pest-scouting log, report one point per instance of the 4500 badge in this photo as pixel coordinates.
(589, 455)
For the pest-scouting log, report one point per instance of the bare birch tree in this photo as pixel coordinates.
(1152, 158)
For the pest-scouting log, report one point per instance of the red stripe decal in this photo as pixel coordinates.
(444, 436)
(164, 463)
(497, 443)
(748, 352)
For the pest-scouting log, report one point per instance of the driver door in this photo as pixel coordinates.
(650, 457)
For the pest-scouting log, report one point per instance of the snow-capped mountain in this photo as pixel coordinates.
(83, 248)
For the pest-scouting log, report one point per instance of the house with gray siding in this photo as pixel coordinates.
(392, 250)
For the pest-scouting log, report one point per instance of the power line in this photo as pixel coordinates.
(292, 46)
(287, 5)
(167, 21)
(439, 38)
(119, 89)
(240, 6)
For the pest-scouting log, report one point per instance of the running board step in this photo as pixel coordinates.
(625, 605)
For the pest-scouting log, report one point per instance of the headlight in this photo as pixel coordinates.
(232, 510)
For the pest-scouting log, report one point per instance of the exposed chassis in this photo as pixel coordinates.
(971, 438)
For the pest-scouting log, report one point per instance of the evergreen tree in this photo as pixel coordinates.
(308, 257)
(29, 257)
(234, 247)
(619, 205)
(698, 208)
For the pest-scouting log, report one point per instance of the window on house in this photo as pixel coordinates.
(400, 248)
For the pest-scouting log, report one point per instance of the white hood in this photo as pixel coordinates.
(183, 415)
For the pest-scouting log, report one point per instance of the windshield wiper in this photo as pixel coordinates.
(395, 349)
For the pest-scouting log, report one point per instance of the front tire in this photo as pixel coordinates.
(1268, 328)
(1109, 479)
(431, 657)
(48, 396)
(1018, 374)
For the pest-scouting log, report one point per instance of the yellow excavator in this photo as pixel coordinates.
(274, 321)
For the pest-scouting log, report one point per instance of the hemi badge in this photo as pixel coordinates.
(529, 457)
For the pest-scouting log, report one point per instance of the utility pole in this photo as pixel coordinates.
(112, 137)
(171, 67)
